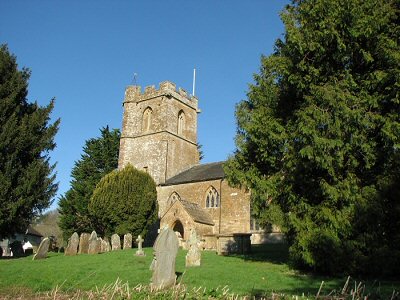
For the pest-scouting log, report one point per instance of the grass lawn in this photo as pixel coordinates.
(263, 271)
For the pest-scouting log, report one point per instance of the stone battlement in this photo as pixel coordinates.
(134, 92)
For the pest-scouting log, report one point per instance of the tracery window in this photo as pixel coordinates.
(212, 197)
(181, 122)
(172, 198)
(147, 116)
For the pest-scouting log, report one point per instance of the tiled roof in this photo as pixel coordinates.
(198, 214)
(204, 172)
(33, 231)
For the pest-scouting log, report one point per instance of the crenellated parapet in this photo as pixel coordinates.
(167, 89)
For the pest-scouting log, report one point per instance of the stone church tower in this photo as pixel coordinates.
(159, 131)
(159, 136)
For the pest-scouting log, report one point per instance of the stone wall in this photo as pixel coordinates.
(234, 211)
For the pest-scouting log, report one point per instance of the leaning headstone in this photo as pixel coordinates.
(84, 243)
(128, 241)
(94, 244)
(139, 251)
(73, 243)
(165, 247)
(105, 245)
(115, 242)
(43, 249)
(193, 257)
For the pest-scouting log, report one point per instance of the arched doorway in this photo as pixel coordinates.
(178, 226)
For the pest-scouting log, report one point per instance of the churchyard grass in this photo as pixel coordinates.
(260, 273)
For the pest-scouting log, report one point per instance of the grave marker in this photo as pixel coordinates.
(127, 241)
(140, 241)
(43, 249)
(166, 248)
(193, 257)
(73, 243)
(115, 242)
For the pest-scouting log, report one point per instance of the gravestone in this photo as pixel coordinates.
(105, 245)
(84, 243)
(128, 241)
(165, 247)
(193, 257)
(139, 251)
(115, 242)
(73, 243)
(94, 244)
(43, 249)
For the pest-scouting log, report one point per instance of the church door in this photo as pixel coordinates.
(178, 227)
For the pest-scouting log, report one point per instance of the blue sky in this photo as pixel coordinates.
(84, 53)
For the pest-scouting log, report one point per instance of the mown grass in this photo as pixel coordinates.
(260, 273)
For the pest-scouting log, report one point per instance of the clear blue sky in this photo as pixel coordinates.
(84, 53)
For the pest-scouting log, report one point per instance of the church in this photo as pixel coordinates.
(159, 136)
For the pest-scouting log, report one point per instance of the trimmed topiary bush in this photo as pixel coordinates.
(124, 201)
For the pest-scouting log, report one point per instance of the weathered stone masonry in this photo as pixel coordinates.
(159, 136)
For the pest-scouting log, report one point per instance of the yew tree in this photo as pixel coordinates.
(27, 180)
(318, 139)
(124, 201)
(100, 157)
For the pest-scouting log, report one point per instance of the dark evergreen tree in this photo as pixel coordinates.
(319, 136)
(124, 201)
(100, 157)
(26, 138)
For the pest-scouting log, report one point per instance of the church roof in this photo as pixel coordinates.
(196, 212)
(203, 172)
(32, 231)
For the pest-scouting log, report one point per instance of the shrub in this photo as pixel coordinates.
(124, 201)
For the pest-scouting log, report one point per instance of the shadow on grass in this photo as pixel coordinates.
(273, 253)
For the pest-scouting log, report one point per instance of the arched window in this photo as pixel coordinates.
(147, 114)
(181, 122)
(212, 198)
(172, 198)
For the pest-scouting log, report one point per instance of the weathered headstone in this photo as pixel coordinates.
(139, 251)
(193, 257)
(73, 243)
(84, 243)
(105, 245)
(165, 247)
(115, 242)
(94, 244)
(128, 241)
(43, 249)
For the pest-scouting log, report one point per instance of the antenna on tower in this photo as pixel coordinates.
(134, 78)
(194, 80)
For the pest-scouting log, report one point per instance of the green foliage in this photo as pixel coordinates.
(100, 157)
(124, 201)
(26, 138)
(319, 136)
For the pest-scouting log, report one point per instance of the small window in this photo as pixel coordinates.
(147, 119)
(181, 122)
(212, 198)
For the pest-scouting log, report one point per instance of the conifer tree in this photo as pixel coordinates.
(319, 136)
(100, 156)
(26, 138)
(124, 201)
